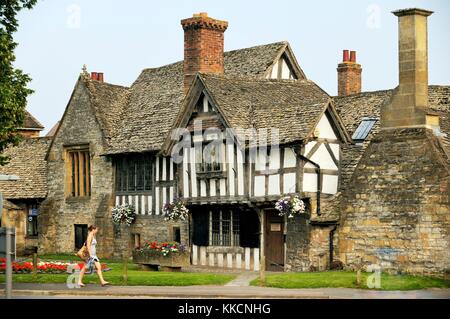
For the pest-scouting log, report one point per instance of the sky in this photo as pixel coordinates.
(57, 37)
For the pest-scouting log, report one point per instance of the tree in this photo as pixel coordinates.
(13, 82)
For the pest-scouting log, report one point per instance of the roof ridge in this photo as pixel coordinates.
(226, 52)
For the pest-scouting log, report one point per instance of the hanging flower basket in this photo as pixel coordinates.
(123, 214)
(175, 211)
(290, 206)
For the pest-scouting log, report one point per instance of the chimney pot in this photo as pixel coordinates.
(100, 76)
(345, 56)
(349, 74)
(94, 76)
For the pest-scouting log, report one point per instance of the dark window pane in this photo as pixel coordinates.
(148, 173)
(119, 174)
(72, 160)
(131, 175)
(236, 229)
(140, 174)
(226, 228)
(215, 228)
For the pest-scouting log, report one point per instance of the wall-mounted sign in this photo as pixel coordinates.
(275, 227)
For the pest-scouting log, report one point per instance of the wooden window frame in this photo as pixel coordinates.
(233, 229)
(78, 171)
(201, 165)
(122, 174)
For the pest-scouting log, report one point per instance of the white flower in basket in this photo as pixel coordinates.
(175, 211)
(123, 214)
(290, 206)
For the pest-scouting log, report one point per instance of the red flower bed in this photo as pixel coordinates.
(42, 267)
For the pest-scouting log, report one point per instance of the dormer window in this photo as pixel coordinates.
(364, 129)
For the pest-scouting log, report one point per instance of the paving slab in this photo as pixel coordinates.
(61, 290)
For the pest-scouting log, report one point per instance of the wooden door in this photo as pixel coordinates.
(274, 241)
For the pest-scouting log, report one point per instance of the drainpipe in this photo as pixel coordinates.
(319, 184)
(331, 244)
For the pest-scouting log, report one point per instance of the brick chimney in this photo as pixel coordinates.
(203, 46)
(97, 76)
(409, 104)
(349, 74)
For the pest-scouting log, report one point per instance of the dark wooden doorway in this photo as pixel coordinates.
(274, 241)
(81, 232)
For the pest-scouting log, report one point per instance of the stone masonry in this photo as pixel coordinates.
(397, 215)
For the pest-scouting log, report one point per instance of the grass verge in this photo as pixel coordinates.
(136, 277)
(344, 279)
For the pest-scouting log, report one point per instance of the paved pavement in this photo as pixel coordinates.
(243, 279)
(22, 290)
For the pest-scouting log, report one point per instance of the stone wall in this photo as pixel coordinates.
(397, 214)
(307, 245)
(17, 218)
(59, 213)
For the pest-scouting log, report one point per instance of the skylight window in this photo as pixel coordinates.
(364, 129)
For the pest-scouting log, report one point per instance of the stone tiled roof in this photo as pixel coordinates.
(30, 122)
(354, 107)
(9, 205)
(27, 162)
(53, 129)
(156, 96)
(109, 102)
(292, 106)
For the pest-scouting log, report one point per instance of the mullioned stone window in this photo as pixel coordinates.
(78, 172)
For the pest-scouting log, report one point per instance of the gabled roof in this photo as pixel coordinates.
(53, 129)
(108, 101)
(27, 162)
(293, 107)
(355, 107)
(156, 96)
(31, 123)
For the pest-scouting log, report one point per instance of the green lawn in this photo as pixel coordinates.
(136, 277)
(345, 279)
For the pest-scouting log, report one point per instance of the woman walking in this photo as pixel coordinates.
(91, 243)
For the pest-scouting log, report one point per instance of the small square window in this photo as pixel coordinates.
(364, 129)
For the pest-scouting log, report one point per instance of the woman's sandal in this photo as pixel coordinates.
(105, 284)
(81, 285)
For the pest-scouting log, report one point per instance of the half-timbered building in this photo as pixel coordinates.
(229, 134)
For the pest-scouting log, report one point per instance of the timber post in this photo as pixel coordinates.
(262, 268)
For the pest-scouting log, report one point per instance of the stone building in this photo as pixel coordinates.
(23, 197)
(395, 207)
(372, 167)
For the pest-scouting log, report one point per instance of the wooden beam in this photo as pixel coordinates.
(336, 162)
(313, 149)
